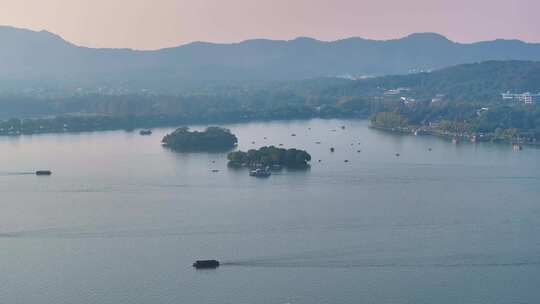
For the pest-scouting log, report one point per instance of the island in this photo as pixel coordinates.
(211, 139)
(271, 156)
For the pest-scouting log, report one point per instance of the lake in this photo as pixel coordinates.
(122, 219)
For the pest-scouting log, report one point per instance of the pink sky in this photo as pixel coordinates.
(151, 24)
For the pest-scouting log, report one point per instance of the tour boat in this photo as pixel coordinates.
(259, 172)
(44, 172)
(206, 264)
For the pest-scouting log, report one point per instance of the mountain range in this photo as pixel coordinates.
(43, 59)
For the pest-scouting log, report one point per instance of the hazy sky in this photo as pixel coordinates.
(150, 24)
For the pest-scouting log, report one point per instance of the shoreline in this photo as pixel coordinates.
(465, 137)
(114, 125)
(170, 124)
(407, 130)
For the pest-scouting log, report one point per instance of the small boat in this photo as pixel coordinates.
(215, 170)
(346, 161)
(398, 155)
(429, 149)
(44, 172)
(260, 172)
(358, 151)
(293, 134)
(318, 142)
(145, 132)
(206, 264)
(343, 127)
(332, 149)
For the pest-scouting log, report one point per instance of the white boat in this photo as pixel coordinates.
(260, 172)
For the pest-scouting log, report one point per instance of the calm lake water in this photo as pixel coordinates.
(122, 219)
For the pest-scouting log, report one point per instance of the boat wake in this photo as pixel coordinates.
(360, 264)
(16, 173)
(337, 258)
(357, 257)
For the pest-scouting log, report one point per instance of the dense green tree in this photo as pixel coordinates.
(213, 138)
(269, 156)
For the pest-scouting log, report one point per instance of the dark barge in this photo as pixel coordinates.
(44, 172)
(206, 264)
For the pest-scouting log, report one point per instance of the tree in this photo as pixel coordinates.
(213, 138)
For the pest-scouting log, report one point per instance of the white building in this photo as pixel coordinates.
(396, 91)
(523, 97)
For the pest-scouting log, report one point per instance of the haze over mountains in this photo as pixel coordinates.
(34, 59)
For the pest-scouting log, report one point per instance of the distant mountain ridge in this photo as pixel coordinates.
(29, 58)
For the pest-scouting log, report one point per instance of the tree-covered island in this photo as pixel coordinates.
(270, 156)
(211, 139)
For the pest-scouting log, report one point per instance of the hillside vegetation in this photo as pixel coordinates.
(466, 98)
